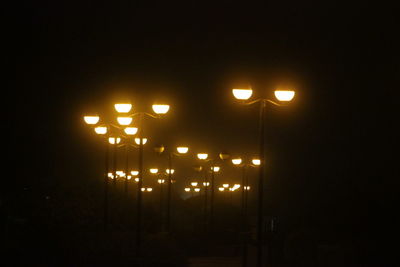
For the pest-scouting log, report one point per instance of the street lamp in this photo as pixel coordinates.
(159, 110)
(243, 95)
(180, 151)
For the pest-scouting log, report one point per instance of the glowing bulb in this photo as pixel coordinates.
(221, 189)
(168, 171)
(182, 149)
(113, 140)
(129, 177)
(137, 179)
(100, 130)
(206, 183)
(160, 181)
(284, 95)
(130, 130)
(236, 186)
(237, 161)
(137, 141)
(187, 189)
(110, 175)
(194, 183)
(134, 173)
(197, 189)
(242, 94)
(215, 169)
(149, 189)
(91, 119)
(225, 185)
(160, 109)
(123, 108)
(256, 162)
(124, 120)
(153, 170)
(202, 155)
(143, 189)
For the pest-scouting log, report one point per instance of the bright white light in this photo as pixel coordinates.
(124, 120)
(130, 130)
(137, 141)
(242, 94)
(122, 108)
(194, 183)
(161, 181)
(134, 173)
(256, 162)
(197, 189)
(149, 189)
(206, 183)
(221, 189)
(153, 170)
(237, 161)
(168, 171)
(215, 168)
(91, 119)
(100, 130)
(182, 149)
(225, 185)
(137, 179)
(187, 189)
(284, 95)
(160, 109)
(112, 140)
(202, 155)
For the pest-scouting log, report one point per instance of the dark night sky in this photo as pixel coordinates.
(332, 145)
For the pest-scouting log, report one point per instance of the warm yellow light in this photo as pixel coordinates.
(197, 189)
(225, 185)
(202, 155)
(110, 175)
(160, 181)
(236, 186)
(134, 173)
(247, 188)
(149, 189)
(168, 171)
(242, 94)
(143, 189)
(187, 189)
(237, 161)
(137, 141)
(113, 140)
(137, 179)
(91, 119)
(123, 108)
(153, 170)
(221, 189)
(194, 183)
(129, 177)
(182, 149)
(160, 109)
(130, 130)
(100, 130)
(215, 169)
(256, 162)
(206, 183)
(284, 95)
(120, 173)
(124, 120)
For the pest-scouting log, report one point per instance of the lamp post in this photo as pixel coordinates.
(125, 108)
(243, 95)
(180, 150)
(104, 130)
(213, 170)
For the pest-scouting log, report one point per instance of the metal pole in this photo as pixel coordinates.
(243, 198)
(205, 197)
(126, 168)
(261, 186)
(168, 221)
(139, 188)
(212, 199)
(106, 187)
(115, 162)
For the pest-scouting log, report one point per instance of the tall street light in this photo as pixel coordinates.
(126, 116)
(244, 95)
(180, 150)
(104, 129)
(214, 169)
